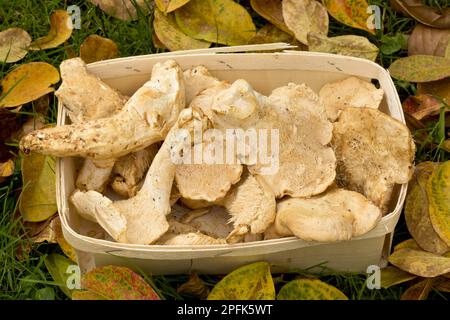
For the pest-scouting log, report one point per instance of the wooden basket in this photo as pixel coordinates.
(265, 71)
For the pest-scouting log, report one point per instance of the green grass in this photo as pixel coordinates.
(27, 277)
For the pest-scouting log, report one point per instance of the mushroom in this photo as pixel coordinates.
(145, 119)
(130, 169)
(212, 221)
(183, 234)
(196, 80)
(94, 174)
(335, 215)
(143, 217)
(251, 204)
(374, 153)
(350, 92)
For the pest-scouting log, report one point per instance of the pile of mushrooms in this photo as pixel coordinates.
(339, 158)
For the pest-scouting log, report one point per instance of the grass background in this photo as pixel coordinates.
(22, 272)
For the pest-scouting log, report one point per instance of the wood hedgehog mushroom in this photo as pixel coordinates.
(374, 152)
(335, 215)
(142, 218)
(350, 92)
(145, 119)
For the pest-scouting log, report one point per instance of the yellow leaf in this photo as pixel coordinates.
(167, 6)
(6, 168)
(68, 250)
(96, 48)
(350, 45)
(271, 34)
(27, 83)
(171, 36)
(156, 42)
(416, 210)
(122, 9)
(352, 13)
(271, 10)
(439, 193)
(14, 43)
(410, 244)
(218, 21)
(419, 291)
(304, 16)
(60, 30)
(250, 282)
(38, 198)
(420, 263)
(310, 289)
(391, 276)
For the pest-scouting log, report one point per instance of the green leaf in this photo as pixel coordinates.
(47, 293)
(58, 265)
(310, 289)
(250, 282)
(420, 263)
(117, 283)
(391, 276)
(38, 198)
(439, 196)
(420, 68)
(217, 21)
(393, 44)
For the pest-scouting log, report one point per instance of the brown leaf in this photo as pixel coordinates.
(420, 263)
(420, 68)
(416, 210)
(428, 41)
(271, 10)
(391, 276)
(419, 291)
(96, 48)
(60, 30)
(194, 287)
(27, 83)
(121, 9)
(47, 234)
(442, 284)
(422, 106)
(9, 124)
(156, 42)
(271, 34)
(424, 14)
(14, 43)
(304, 16)
(440, 88)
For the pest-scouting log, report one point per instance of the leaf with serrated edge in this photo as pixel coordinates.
(420, 263)
(309, 289)
(420, 68)
(391, 276)
(117, 283)
(218, 21)
(439, 196)
(250, 282)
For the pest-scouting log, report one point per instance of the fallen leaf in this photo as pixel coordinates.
(60, 30)
(6, 168)
(352, 13)
(391, 276)
(350, 45)
(167, 6)
(10, 123)
(171, 36)
(117, 283)
(35, 123)
(87, 295)
(428, 41)
(447, 51)
(122, 9)
(38, 199)
(58, 267)
(14, 43)
(424, 14)
(446, 145)
(250, 282)
(304, 16)
(422, 106)
(271, 10)
(96, 48)
(416, 210)
(309, 289)
(439, 195)
(419, 291)
(420, 263)
(194, 287)
(410, 244)
(156, 42)
(218, 21)
(420, 68)
(47, 234)
(392, 44)
(442, 284)
(27, 83)
(440, 88)
(68, 250)
(271, 34)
